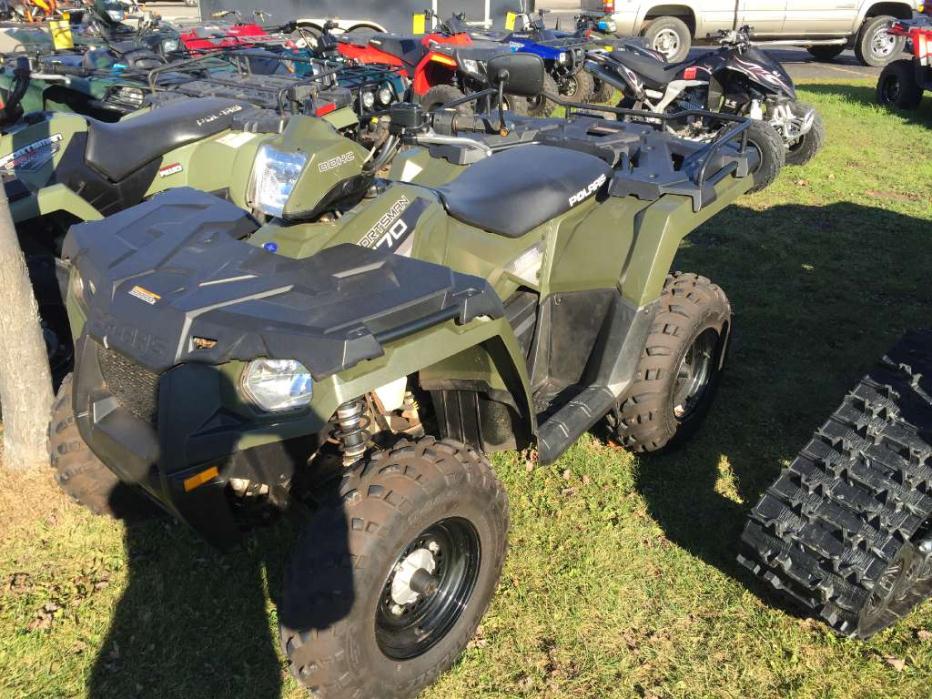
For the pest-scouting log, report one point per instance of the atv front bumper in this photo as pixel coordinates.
(172, 435)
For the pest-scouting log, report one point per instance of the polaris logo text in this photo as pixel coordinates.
(339, 161)
(222, 113)
(388, 229)
(584, 194)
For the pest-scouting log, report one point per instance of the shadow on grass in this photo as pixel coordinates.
(819, 294)
(867, 95)
(194, 620)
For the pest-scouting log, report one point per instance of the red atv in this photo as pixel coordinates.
(206, 38)
(428, 60)
(902, 82)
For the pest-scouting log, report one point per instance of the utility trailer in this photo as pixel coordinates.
(365, 15)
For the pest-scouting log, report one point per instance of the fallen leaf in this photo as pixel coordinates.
(897, 664)
(924, 635)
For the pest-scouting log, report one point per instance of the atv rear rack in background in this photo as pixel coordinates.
(692, 177)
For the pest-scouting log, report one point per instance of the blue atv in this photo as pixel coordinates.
(564, 55)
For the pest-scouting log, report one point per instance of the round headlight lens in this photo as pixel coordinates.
(368, 100)
(276, 385)
(385, 96)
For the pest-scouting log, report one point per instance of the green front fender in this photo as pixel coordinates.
(483, 350)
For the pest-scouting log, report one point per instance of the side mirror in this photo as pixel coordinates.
(520, 74)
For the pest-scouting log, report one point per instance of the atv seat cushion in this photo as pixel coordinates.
(117, 150)
(654, 73)
(512, 192)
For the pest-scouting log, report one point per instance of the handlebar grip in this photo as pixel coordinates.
(449, 123)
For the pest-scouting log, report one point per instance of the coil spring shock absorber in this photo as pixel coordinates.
(352, 430)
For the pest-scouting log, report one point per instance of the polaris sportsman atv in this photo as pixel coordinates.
(736, 79)
(363, 350)
(846, 531)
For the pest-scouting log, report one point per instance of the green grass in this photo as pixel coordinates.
(622, 578)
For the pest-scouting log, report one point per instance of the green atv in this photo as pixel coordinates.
(360, 353)
(58, 169)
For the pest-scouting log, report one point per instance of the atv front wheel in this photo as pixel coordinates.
(540, 106)
(772, 151)
(897, 85)
(679, 368)
(81, 474)
(806, 146)
(439, 95)
(392, 575)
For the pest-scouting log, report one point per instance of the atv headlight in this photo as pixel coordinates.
(116, 15)
(471, 66)
(368, 100)
(276, 385)
(608, 26)
(274, 176)
(385, 96)
(562, 58)
(129, 96)
(169, 45)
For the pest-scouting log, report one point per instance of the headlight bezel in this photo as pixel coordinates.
(258, 391)
(275, 173)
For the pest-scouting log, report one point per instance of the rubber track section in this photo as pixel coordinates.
(831, 524)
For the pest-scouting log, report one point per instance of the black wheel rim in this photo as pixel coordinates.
(407, 627)
(891, 589)
(891, 90)
(694, 375)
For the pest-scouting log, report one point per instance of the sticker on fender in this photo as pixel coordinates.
(149, 297)
(31, 156)
(172, 169)
(393, 230)
(584, 194)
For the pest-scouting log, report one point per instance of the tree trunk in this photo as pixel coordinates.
(25, 378)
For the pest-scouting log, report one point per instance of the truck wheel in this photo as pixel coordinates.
(825, 52)
(806, 147)
(846, 530)
(540, 106)
(393, 573)
(578, 88)
(81, 474)
(897, 86)
(679, 368)
(764, 138)
(875, 45)
(439, 95)
(669, 36)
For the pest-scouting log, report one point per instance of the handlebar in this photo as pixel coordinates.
(11, 111)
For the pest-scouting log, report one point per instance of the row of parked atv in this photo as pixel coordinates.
(276, 282)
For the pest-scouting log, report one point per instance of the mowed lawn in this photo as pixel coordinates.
(621, 579)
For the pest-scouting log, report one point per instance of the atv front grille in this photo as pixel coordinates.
(136, 387)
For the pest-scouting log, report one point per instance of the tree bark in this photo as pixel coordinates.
(25, 378)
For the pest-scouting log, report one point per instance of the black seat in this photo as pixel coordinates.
(117, 150)
(654, 73)
(513, 192)
(410, 50)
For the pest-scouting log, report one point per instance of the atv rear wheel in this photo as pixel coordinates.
(764, 138)
(439, 95)
(392, 575)
(679, 368)
(579, 87)
(897, 85)
(846, 530)
(81, 474)
(806, 147)
(540, 106)
(603, 92)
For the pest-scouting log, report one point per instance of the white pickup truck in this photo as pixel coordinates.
(825, 27)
